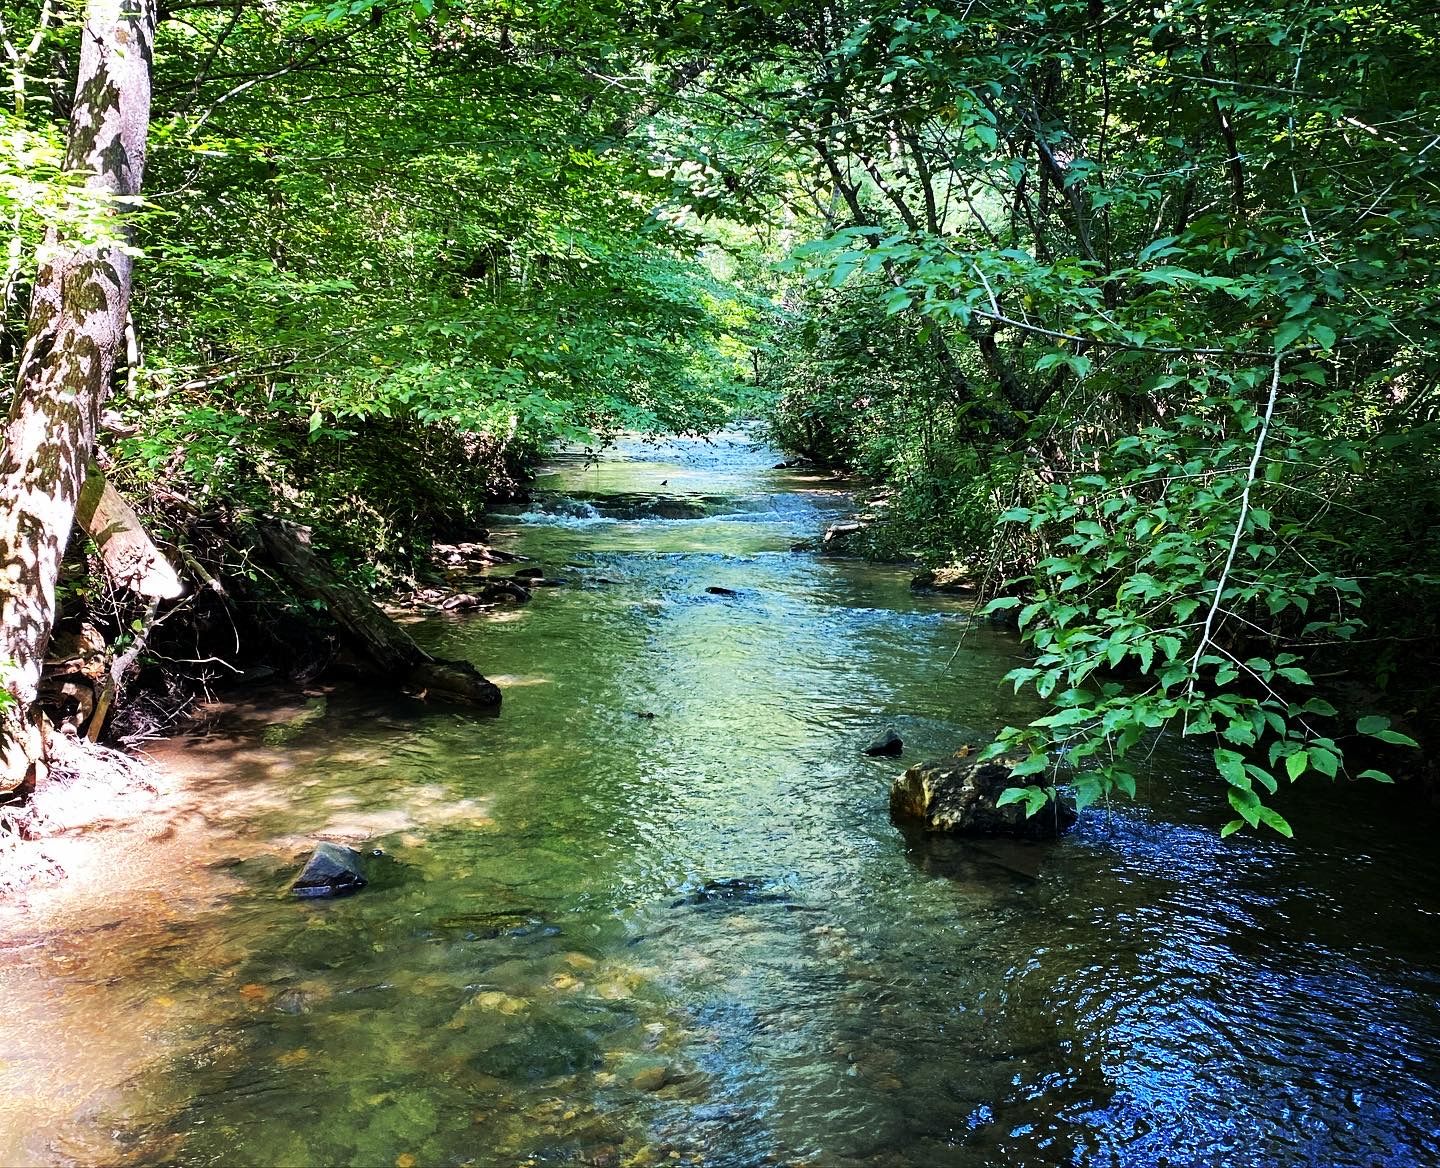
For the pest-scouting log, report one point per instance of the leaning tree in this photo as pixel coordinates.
(75, 332)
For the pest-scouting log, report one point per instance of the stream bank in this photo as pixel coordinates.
(657, 912)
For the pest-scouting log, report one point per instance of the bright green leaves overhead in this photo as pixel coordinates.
(422, 223)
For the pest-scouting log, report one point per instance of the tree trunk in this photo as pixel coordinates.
(75, 331)
(388, 647)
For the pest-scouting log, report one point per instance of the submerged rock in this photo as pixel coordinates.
(332, 870)
(957, 795)
(718, 590)
(735, 891)
(648, 1075)
(529, 573)
(888, 743)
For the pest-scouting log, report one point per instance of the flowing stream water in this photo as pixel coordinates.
(656, 913)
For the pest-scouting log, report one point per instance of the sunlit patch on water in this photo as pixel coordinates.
(655, 913)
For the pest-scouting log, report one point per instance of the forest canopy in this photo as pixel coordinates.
(1131, 306)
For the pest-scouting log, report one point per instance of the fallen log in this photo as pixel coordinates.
(129, 555)
(377, 638)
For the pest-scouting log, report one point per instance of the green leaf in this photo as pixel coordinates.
(1376, 776)
(1231, 828)
(1297, 764)
(1031, 766)
(1273, 819)
(1247, 803)
(1239, 732)
(1377, 726)
(1231, 766)
(1286, 335)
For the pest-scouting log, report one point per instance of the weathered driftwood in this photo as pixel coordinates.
(130, 556)
(382, 642)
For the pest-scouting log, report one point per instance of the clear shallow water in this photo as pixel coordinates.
(540, 974)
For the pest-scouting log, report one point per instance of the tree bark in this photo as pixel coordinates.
(75, 332)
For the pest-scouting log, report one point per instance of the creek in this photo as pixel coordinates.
(655, 912)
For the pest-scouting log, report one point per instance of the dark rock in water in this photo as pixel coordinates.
(716, 590)
(545, 582)
(674, 508)
(1005, 618)
(332, 870)
(529, 573)
(487, 593)
(957, 795)
(804, 545)
(737, 890)
(888, 743)
(486, 926)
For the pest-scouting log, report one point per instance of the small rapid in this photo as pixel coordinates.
(656, 912)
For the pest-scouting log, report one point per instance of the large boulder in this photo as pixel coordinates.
(957, 796)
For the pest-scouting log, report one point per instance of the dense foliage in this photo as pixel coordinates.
(375, 243)
(1166, 274)
(1131, 305)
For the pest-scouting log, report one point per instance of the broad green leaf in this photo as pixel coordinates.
(1273, 819)
(1247, 804)
(1231, 766)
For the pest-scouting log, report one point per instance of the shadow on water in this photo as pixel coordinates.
(656, 912)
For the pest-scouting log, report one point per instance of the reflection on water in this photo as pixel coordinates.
(655, 912)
